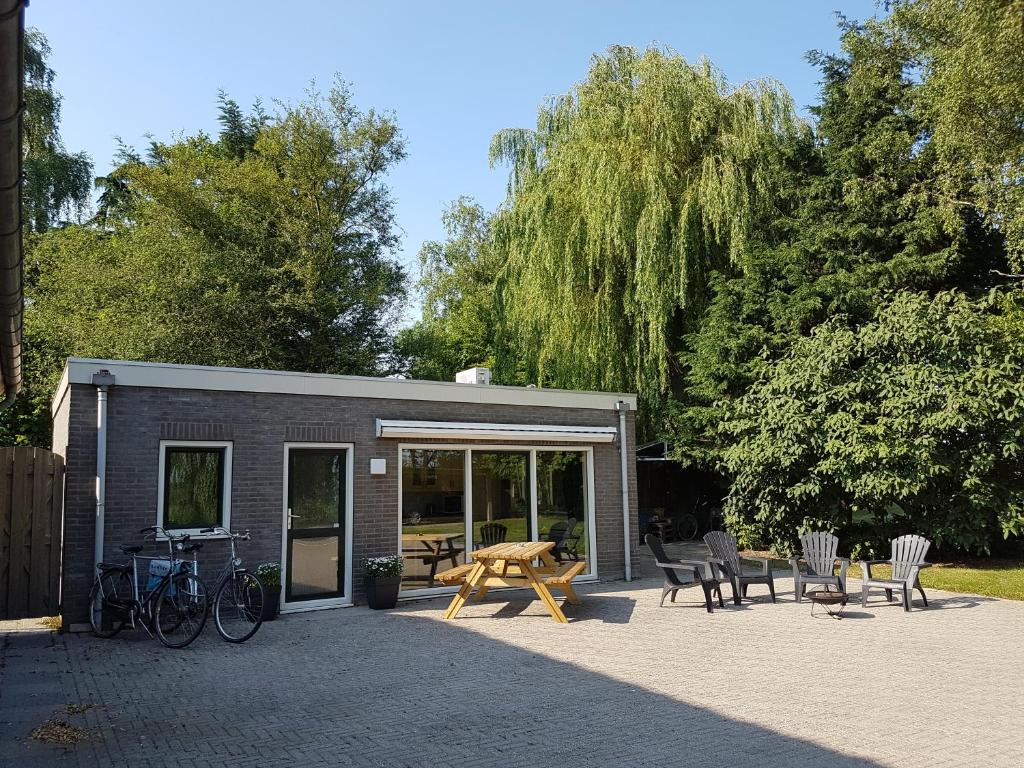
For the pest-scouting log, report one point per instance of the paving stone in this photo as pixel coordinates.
(624, 684)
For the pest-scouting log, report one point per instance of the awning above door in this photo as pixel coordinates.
(456, 430)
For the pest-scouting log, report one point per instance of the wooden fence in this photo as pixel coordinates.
(31, 505)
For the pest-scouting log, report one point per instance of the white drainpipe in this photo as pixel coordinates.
(622, 407)
(102, 380)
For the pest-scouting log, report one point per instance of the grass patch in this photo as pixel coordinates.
(993, 577)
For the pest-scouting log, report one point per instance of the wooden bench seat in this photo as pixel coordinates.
(567, 574)
(454, 575)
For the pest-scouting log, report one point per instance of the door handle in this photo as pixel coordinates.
(291, 517)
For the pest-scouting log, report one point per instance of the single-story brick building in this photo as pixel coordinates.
(325, 470)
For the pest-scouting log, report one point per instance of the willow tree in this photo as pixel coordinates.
(634, 186)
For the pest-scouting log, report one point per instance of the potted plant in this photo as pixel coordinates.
(383, 577)
(269, 575)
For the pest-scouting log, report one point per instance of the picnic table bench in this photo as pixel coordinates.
(431, 549)
(511, 564)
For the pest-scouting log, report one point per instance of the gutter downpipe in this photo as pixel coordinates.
(102, 380)
(622, 407)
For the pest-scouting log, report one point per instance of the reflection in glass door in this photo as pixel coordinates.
(501, 497)
(315, 520)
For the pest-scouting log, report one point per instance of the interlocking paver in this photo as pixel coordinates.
(625, 683)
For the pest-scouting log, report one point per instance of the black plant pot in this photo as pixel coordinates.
(382, 591)
(271, 602)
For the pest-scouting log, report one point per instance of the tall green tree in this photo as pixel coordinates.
(57, 182)
(860, 217)
(457, 278)
(911, 421)
(633, 187)
(55, 189)
(972, 76)
(269, 246)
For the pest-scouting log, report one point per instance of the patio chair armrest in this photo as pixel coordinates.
(679, 565)
(925, 565)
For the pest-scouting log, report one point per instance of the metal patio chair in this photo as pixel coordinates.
(723, 549)
(908, 553)
(820, 554)
(672, 568)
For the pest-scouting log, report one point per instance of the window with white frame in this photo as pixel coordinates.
(195, 485)
(455, 499)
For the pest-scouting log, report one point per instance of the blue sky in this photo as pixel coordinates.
(453, 73)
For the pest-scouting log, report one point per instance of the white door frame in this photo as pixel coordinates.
(331, 602)
(532, 450)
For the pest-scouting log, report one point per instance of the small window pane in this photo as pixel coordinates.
(193, 495)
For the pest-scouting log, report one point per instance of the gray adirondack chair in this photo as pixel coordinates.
(726, 557)
(821, 555)
(908, 553)
(673, 583)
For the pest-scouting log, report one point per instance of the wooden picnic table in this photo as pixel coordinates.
(431, 548)
(511, 564)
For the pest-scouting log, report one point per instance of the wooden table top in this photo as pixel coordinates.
(431, 536)
(514, 550)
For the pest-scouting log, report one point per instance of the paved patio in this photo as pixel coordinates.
(625, 684)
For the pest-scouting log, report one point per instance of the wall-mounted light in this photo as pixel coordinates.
(378, 466)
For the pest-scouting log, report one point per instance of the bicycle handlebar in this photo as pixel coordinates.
(245, 536)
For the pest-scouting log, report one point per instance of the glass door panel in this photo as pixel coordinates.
(315, 567)
(501, 497)
(433, 514)
(562, 501)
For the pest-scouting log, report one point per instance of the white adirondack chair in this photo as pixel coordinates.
(908, 553)
(821, 555)
(726, 558)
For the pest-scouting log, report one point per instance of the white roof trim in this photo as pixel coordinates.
(477, 431)
(201, 377)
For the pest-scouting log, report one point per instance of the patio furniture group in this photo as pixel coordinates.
(820, 559)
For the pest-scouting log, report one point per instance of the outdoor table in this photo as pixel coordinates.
(511, 564)
(431, 548)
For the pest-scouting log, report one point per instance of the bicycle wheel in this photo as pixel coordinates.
(238, 607)
(110, 603)
(180, 612)
(686, 528)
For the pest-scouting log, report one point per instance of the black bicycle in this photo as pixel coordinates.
(238, 595)
(172, 604)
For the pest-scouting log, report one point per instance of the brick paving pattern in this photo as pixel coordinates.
(624, 684)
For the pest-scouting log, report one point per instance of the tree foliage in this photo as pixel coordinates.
(860, 218)
(913, 420)
(972, 59)
(633, 187)
(57, 182)
(267, 247)
(457, 279)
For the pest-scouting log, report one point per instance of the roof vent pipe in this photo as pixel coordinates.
(481, 376)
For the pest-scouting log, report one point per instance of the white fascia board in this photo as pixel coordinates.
(199, 377)
(476, 431)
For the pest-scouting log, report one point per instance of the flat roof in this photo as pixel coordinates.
(170, 376)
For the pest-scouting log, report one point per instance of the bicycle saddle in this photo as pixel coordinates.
(194, 547)
(131, 550)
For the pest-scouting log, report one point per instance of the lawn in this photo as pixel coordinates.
(995, 577)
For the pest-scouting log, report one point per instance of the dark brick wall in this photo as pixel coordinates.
(258, 425)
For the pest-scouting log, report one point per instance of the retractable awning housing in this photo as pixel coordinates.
(455, 430)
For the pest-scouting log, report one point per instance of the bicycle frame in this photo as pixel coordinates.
(231, 567)
(143, 608)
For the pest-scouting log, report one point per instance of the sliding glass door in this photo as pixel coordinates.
(458, 499)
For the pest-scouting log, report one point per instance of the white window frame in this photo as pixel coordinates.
(532, 450)
(300, 606)
(226, 487)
